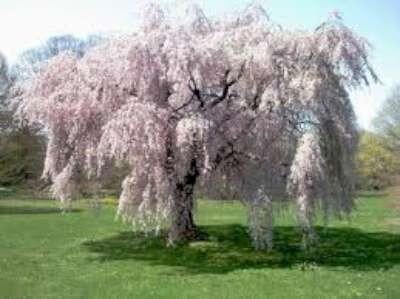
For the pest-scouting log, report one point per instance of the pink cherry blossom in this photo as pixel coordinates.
(237, 107)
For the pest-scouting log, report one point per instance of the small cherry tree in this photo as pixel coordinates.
(237, 106)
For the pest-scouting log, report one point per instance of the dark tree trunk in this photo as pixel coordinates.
(182, 226)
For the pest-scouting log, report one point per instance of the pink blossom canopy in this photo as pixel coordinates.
(236, 107)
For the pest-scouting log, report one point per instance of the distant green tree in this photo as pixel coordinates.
(387, 122)
(376, 162)
(21, 154)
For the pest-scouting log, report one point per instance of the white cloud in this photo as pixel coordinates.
(366, 103)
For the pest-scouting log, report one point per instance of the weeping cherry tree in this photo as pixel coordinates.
(238, 106)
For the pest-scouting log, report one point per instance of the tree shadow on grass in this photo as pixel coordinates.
(227, 248)
(29, 210)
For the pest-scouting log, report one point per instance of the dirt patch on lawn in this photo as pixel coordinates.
(394, 195)
(393, 222)
(394, 203)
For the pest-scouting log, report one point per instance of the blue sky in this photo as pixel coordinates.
(26, 23)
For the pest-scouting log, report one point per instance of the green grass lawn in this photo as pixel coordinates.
(87, 254)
